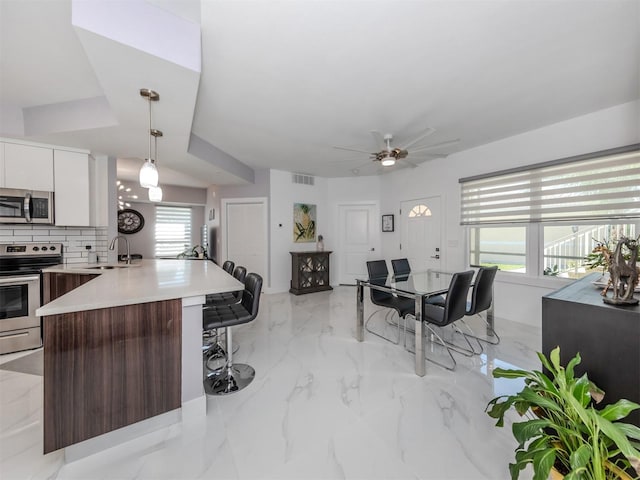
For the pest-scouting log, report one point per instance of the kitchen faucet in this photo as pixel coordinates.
(112, 246)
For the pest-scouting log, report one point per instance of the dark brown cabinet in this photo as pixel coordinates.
(309, 272)
(576, 319)
(56, 284)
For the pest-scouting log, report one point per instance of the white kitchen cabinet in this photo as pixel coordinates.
(28, 167)
(72, 186)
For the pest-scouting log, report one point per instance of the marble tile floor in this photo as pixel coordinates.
(322, 406)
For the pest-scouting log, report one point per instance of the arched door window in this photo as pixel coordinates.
(420, 211)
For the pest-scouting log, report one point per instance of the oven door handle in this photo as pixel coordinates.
(13, 335)
(18, 280)
(27, 207)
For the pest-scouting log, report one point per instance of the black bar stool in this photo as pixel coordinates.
(233, 376)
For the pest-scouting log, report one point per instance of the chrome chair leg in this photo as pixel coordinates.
(388, 315)
(491, 330)
(431, 332)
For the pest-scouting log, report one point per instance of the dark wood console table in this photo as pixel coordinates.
(309, 272)
(607, 337)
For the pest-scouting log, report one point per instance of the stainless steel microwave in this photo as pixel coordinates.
(26, 206)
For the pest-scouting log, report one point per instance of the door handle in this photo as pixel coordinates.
(373, 249)
(27, 207)
(437, 257)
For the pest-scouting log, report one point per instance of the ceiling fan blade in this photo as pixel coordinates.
(416, 140)
(428, 156)
(379, 139)
(349, 149)
(364, 165)
(409, 163)
(436, 145)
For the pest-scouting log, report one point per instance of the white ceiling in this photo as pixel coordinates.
(281, 82)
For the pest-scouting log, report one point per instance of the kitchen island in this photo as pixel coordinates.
(124, 348)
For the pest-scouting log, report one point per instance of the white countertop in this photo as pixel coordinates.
(144, 281)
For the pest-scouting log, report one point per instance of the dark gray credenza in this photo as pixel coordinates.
(607, 337)
(309, 272)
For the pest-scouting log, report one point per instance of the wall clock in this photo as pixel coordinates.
(130, 221)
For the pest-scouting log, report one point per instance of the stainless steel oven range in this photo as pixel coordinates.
(21, 292)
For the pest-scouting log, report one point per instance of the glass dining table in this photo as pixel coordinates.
(417, 286)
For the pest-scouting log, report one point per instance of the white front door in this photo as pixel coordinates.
(245, 234)
(420, 239)
(359, 240)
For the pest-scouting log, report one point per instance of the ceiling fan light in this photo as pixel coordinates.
(148, 174)
(155, 194)
(388, 161)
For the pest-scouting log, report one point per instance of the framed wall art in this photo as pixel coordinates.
(304, 223)
(387, 223)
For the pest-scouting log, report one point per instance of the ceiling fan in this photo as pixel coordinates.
(388, 155)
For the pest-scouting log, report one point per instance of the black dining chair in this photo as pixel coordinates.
(481, 299)
(233, 376)
(378, 274)
(401, 268)
(228, 266)
(442, 311)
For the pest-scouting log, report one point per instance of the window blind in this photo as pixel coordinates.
(173, 230)
(604, 186)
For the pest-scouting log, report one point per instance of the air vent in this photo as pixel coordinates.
(302, 179)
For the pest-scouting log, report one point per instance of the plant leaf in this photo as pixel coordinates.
(618, 437)
(498, 409)
(580, 457)
(545, 362)
(580, 391)
(618, 410)
(629, 430)
(539, 400)
(574, 475)
(570, 367)
(514, 470)
(554, 357)
(523, 431)
(542, 464)
(505, 373)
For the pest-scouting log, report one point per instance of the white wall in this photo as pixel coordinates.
(284, 193)
(612, 127)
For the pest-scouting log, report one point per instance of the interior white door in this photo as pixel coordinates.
(359, 240)
(420, 224)
(246, 235)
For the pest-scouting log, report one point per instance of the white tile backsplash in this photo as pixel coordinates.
(74, 239)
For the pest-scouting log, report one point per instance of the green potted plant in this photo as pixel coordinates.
(563, 428)
(192, 252)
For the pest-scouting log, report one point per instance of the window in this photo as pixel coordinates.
(566, 247)
(545, 219)
(505, 247)
(173, 230)
(420, 211)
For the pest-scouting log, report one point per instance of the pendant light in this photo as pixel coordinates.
(155, 193)
(149, 172)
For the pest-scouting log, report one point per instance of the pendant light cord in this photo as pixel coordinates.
(150, 159)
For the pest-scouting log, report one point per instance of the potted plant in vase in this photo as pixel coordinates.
(563, 429)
